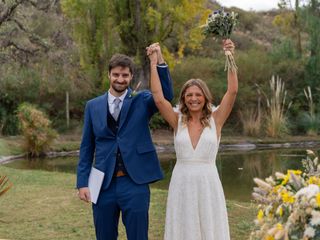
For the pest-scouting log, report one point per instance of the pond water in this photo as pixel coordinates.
(236, 168)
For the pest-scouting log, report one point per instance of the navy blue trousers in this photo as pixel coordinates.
(129, 198)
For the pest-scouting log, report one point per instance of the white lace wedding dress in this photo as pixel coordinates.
(196, 208)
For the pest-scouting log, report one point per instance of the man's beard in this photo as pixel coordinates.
(119, 88)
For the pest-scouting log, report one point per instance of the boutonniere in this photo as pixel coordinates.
(134, 92)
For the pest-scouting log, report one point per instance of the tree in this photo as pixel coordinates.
(20, 38)
(93, 32)
(312, 19)
(306, 17)
(175, 24)
(39, 61)
(290, 22)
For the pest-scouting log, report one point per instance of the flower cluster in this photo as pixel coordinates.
(220, 24)
(289, 204)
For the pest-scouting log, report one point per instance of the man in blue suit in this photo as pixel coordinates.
(116, 140)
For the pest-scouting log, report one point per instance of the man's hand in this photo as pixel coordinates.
(84, 194)
(155, 47)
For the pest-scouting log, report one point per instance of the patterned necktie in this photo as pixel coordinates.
(116, 109)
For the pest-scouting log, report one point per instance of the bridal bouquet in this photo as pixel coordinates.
(220, 24)
(289, 204)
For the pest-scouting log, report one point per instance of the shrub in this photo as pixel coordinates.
(36, 129)
(158, 122)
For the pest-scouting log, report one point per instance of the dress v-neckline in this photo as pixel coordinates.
(194, 148)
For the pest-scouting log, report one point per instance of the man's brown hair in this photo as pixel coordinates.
(122, 61)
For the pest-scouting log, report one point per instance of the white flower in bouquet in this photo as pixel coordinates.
(309, 232)
(310, 191)
(315, 220)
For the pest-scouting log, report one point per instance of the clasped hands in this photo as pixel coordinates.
(154, 53)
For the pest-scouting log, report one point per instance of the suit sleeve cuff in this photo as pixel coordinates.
(162, 65)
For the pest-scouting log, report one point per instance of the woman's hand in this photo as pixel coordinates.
(153, 57)
(228, 45)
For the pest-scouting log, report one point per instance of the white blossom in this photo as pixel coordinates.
(315, 220)
(308, 191)
(309, 232)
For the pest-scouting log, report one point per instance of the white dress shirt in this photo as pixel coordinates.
(111, 99)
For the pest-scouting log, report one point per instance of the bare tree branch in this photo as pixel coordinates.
(5, 16)
(42, 7)
(33, 38)
(22, 49)
(15, 33)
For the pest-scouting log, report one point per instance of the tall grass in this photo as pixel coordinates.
(276, 121)
(310, 120)
(251, 122)
(251, 119)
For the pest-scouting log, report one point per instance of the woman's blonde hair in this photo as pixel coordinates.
(207, 109)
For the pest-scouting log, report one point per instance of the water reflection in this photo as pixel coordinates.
(236, 169)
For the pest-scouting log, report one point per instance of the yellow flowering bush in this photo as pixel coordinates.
(289, 204)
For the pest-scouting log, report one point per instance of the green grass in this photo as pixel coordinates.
(10, 146)
(44, 205)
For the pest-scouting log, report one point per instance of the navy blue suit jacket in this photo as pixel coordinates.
(99, 144)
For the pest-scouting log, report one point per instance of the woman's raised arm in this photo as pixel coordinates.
(162, 104)
(226, 105)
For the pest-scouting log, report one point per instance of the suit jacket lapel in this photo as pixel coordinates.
(125, 107)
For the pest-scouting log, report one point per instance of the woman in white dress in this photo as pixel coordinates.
(196, 208)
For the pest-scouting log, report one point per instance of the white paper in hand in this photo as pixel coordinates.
(95, 183)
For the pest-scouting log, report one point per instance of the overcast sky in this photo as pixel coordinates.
(256, 5)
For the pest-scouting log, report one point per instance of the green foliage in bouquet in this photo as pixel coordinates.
(36, 128)
(5, 185)
(289, 204)
(220, 25)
